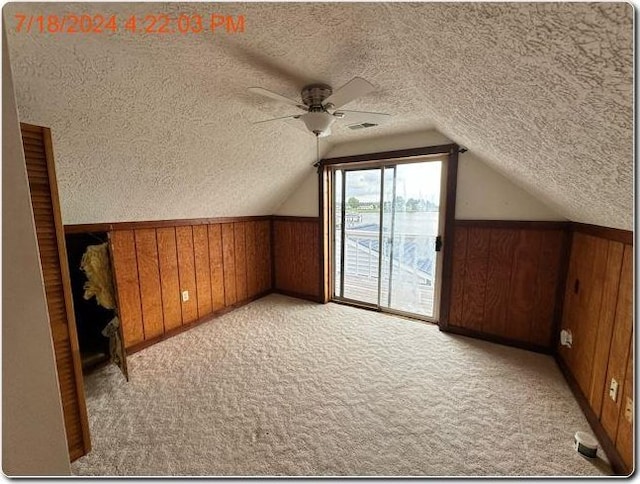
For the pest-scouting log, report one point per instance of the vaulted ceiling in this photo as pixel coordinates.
(159, 126)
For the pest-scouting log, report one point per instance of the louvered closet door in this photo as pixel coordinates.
(46, 210)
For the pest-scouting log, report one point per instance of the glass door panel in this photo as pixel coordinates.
(413, 228)
(361, 235)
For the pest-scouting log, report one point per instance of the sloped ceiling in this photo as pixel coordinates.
(158, 126)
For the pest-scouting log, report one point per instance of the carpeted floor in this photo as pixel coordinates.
(287, 387)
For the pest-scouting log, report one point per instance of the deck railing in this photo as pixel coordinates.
(362, 254)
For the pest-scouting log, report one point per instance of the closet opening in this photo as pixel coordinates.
(94, 299)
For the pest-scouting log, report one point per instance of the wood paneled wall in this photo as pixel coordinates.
(221, 265)
(505, 281)
(296, 243)
(598, 310)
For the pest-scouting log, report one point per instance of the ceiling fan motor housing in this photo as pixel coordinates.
(313, 95)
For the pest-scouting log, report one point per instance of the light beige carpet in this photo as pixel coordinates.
(288, 387)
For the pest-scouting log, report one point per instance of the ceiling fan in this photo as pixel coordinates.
(321, 105)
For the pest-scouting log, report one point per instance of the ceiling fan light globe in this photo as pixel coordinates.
(317, 122)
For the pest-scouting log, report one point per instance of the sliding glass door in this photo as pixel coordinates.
(386, 222)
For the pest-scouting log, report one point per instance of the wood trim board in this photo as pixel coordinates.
(514, 224)
(390, 155)
(619, 235)
(448, 237)
(154, 224)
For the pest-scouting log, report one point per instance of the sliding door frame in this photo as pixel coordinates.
(325, 179)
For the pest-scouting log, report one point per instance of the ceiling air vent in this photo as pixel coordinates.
(362, 125)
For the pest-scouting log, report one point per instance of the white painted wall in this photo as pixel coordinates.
(482, 194)
(303, 202)
(33, 436)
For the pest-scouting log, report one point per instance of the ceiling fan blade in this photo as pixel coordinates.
(353, 89)
(359, 117)
(274, 95)
(282, 69)
(291, 116)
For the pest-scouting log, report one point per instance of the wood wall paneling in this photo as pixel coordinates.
(240, 253)
(263, 230)
(502, 244)
(548, 278)
(620, 344)
(187, 273)
(220, 265)
(624, 437)
(126, 274)
(505, 280)
(598, 310)
(605, 325)
(583, 298)
(282, 254)
(170, 281)
(251, 259)
(149, 280)
(309, 250)
(297, 257)
(457, 273)
(228, 258)
(475, 278)
(217, 268)
(522, 287)
(203, 269)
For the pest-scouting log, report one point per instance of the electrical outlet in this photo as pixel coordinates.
(613, 390)
(185, 296)
(566, 338)
(628, 410)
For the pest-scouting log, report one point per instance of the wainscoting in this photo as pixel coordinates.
(220, 265)
(296, 242)
(506, 281)
(516, 283)
(598, 310)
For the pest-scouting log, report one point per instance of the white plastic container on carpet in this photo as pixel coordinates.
(586, 444)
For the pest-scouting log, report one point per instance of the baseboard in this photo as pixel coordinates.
(609, 448)
(495, 339)
(185, 327)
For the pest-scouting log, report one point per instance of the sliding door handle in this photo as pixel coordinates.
(438, 243)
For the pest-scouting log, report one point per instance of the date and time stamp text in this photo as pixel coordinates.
(155, 24)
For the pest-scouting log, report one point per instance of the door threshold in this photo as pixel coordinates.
(377, 309)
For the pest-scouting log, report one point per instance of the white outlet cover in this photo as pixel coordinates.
(185, 296)
(613, 389)
(566, 338)
(628, 410)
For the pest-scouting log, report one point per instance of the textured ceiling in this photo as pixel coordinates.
(158, 126)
